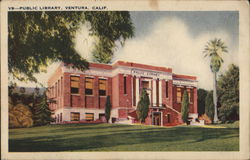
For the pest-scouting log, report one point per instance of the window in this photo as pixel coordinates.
(168, 118)
(58, 88)
(189, 91)
(89, 86)
(61, 86)
(157, 92)
(178, 95)
(167, 89)
(134, 91)
(74, 116)
(145, 84)
(60, 117)
(74, 84)
(125, 84)
(89, 116)
(102, 87)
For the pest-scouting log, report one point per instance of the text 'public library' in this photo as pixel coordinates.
(80, 96)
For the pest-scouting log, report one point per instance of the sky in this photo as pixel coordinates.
(172, 39)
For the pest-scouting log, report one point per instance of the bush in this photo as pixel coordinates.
(184, 107)
(143, 106)
(202, 93)
(20, 116)
(228, 92)
(206, 119)
(107, 109)
(209, 105)
(229, 113)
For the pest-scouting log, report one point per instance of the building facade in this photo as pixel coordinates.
(80, 96)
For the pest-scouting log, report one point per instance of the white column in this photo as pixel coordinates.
(150, 92)
(137, 92)
(160, 92)
(154, 92)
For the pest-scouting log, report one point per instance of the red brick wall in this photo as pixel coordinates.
(89, 100)
(102, 102)
(66, 90)
(164, 98)
(125, 100)
(192, 105)
(174, 117)
(75, 100)
(195, 100)
(170, 93)
(96, 92)
(115, 91)
(122, 113)
(55, 81)
(176, 106)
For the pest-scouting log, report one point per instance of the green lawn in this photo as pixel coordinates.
(114, 137)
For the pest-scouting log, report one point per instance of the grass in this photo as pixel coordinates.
(114, 137)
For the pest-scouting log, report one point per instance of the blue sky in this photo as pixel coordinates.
(173, 39)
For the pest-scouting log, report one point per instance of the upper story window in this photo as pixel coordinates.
(178, 95)
(124, 85)
(102, 87)
(189, 91)
(167, 89)
(89, 86)
(74, 84)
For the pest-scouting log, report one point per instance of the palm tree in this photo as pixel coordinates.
(214, 50)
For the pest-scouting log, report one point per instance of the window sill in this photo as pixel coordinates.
(75, 94)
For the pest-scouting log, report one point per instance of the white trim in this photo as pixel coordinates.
(76, 75)
(119, 69)
(154, 91)
(137, 90)
(185, 83)
(160, 91)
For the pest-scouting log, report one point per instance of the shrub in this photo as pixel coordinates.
(228, 92)
(209, 105)
(107, 109)
(20, 116)
(143, 106)
(206, 119)
(184, 107)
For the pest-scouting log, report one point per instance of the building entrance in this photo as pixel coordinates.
(156, 118)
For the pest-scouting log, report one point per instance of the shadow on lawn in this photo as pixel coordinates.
(78, 127)
(113, 138)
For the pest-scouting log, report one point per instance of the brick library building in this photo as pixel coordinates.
(80, 96)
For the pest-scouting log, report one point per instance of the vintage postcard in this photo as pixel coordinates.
(125, 79)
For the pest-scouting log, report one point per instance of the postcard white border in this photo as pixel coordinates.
(139, 5)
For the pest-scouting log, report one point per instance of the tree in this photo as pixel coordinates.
(214, 50)
(44, 113)
(184, 107)
(202, 93)
(228, 94)
(19, 116)
(143, 106)
(107, 109)
(209, 106)
(36, 39)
